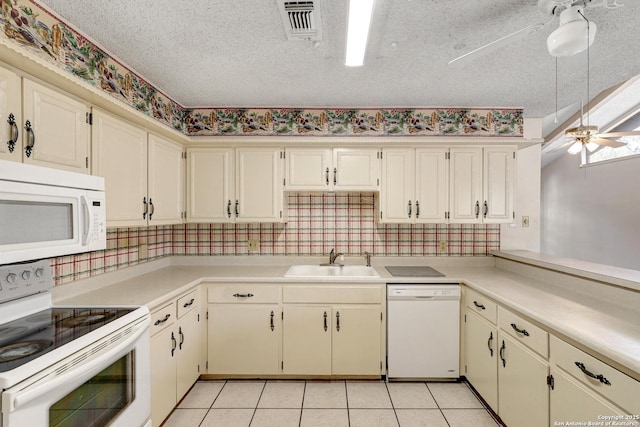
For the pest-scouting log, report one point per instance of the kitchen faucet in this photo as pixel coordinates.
(332, 257)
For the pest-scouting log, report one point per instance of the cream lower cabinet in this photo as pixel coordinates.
(481, 363)
(176, 352)
(244, 330)
(326, 333)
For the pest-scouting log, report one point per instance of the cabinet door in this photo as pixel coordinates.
(481, 357)
(308, 169)
(465, 185)
(523, 394)
(210, 185)
(431, 185)
(356, 340)
(356, 169)
(258, 185)
(10, 104)
(306, 341)
(569, 400)
(244, 339)
(188, 357)
(163, 375)
(165, 185)
(498, 184)
(120, 156)
(397, 191)
(60, 129)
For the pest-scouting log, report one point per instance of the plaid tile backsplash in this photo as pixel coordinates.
(317, 223)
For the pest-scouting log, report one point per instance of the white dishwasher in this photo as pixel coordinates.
(423, 331)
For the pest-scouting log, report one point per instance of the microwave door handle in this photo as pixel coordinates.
(88, 219)
(87, 370)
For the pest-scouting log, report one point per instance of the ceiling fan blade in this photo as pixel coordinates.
(607, 142)
(494, 45)
(617, 134)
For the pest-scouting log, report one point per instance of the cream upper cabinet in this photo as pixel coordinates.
(210, 185)
(10, 116)
(337, 169)
(481, 184)
(414, 185)
(143, 173)
(165, 181)
(258, 180)
(59, 131)
(120, 156)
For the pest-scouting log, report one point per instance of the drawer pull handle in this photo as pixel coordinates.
(189, 304)
(243, 295)
(161, 321)
(272, 325)
(337, 321)
(31, 139)
(477, 209)
(504, 361)
(490, 342)
(181, 337)
(480, 306)
(174, 344)
(13, 133)
(520, 331)
(409, 209)
(327, 176)
(598, 377)
(325, 321)
(228, 208)
(335, 176)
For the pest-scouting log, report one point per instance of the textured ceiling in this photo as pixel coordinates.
(216, 53)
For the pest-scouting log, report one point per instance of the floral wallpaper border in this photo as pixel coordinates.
(30, 26)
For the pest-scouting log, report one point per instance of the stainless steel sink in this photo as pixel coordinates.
(328, 271)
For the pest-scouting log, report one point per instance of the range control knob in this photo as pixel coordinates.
(11, 278)
(39, 272)
(26, 275)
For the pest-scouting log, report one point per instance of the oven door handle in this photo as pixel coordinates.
(93, 365)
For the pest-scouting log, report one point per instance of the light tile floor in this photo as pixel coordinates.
(329, 403)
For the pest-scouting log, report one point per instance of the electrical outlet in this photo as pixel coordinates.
(253, 245)
(143, 252)
(525, 221)
(442, 245)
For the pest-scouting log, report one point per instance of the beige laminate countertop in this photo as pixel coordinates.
(611, 329)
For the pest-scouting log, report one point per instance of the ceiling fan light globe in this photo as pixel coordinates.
(575, 148)
(591, 146)
(570, 38)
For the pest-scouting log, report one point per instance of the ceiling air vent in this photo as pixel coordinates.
(301, 19)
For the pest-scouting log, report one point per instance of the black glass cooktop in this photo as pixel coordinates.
(27, 338)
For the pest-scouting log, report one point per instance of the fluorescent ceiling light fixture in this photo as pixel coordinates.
(358, 31)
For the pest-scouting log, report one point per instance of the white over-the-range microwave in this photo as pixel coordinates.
(48, 212)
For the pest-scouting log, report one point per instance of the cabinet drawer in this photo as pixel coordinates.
(332, 295)
(526, 332)
(244, 293)
(614, 385)
(163, 317)
(188, 302)
(481, 305)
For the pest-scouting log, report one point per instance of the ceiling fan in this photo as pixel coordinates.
(566, 40)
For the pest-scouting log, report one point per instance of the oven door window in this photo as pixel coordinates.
(98, 401)
(27, 221)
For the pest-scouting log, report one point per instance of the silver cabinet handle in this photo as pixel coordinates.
(181, 337)
(13, 133)
(327, 176)
(152, 209)
(189, 304)
(161, 321)
(337, 321)
(174, 344)
(229, 209)
(31, 138)
(325, 321)
(271, 321)
(335, 176)
(477, 209)
(146, 208)
(485, 209)
(409, 209)
(417, 209)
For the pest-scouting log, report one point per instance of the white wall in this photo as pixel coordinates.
(527, 203)
(592, 213)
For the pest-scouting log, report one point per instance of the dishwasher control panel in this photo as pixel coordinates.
(423, 291)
